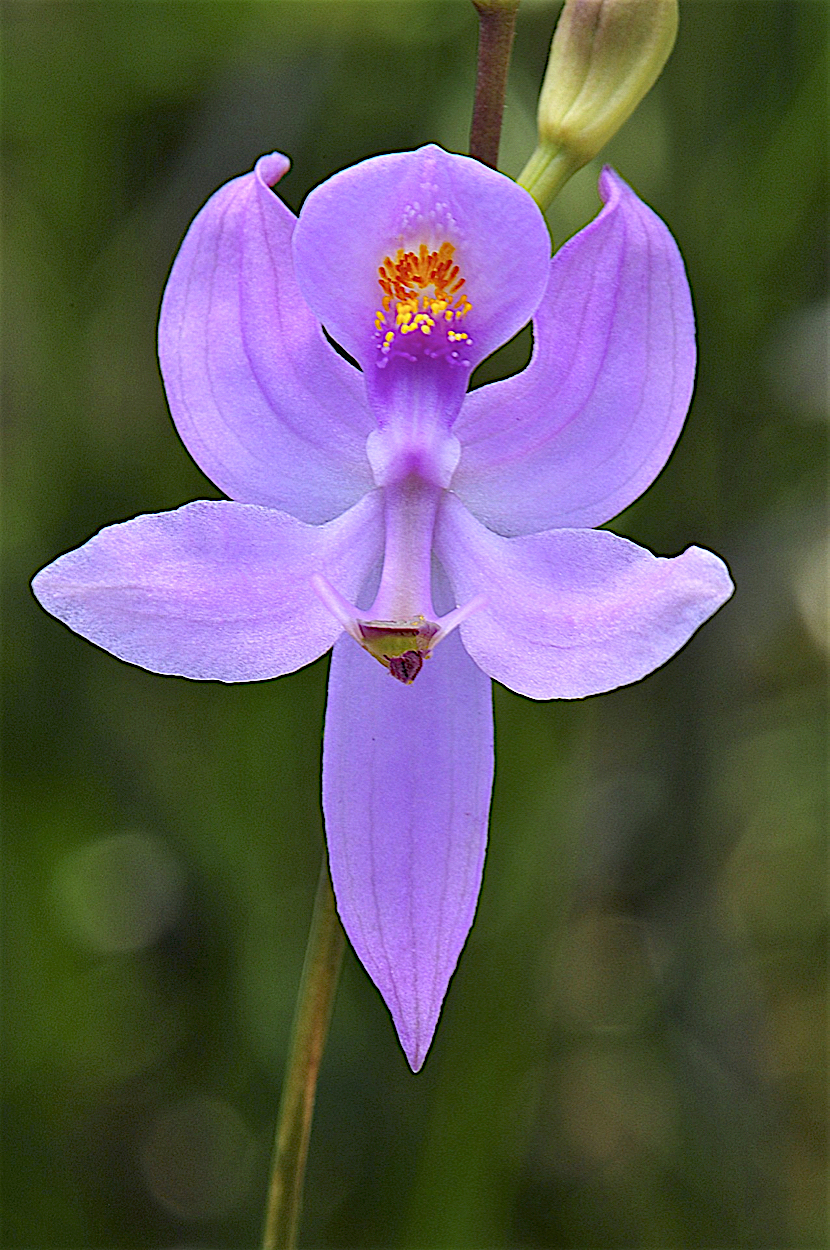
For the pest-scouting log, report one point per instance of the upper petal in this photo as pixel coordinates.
(350, 224)
(571, 613)
(588, 425)
(215, 590)
(262, 402)
(407, 775)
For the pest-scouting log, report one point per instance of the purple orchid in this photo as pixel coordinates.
(447, 532)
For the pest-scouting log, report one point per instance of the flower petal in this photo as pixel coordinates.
(571, 613)
(262, 402)
(590, 423)
(407, 775)
(214, 591)
(350, 223)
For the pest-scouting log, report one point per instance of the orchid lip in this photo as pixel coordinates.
(400, 646)
(423, 306)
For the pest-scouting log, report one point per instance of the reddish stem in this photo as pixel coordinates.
(496, 28)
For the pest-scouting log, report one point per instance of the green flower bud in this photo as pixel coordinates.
(605, 56)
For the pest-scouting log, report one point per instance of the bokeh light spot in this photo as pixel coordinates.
(119, 893)
(198, 1158)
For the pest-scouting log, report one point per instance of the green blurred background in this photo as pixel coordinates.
(632, 1052)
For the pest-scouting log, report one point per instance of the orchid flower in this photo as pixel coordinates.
(435, 537)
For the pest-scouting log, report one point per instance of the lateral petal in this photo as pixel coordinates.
(215, 591)
(571, 613)
(584, 429)
(407, 776)
(261, 400)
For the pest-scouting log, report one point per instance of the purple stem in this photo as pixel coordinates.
(496, 28)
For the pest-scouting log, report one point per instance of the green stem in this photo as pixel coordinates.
(318, 984)
(496, 27)
(546, 173)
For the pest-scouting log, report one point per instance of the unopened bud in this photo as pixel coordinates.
(605, 56)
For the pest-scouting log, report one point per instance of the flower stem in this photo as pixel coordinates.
(546, 173)
(318, 983)
(496, 27)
